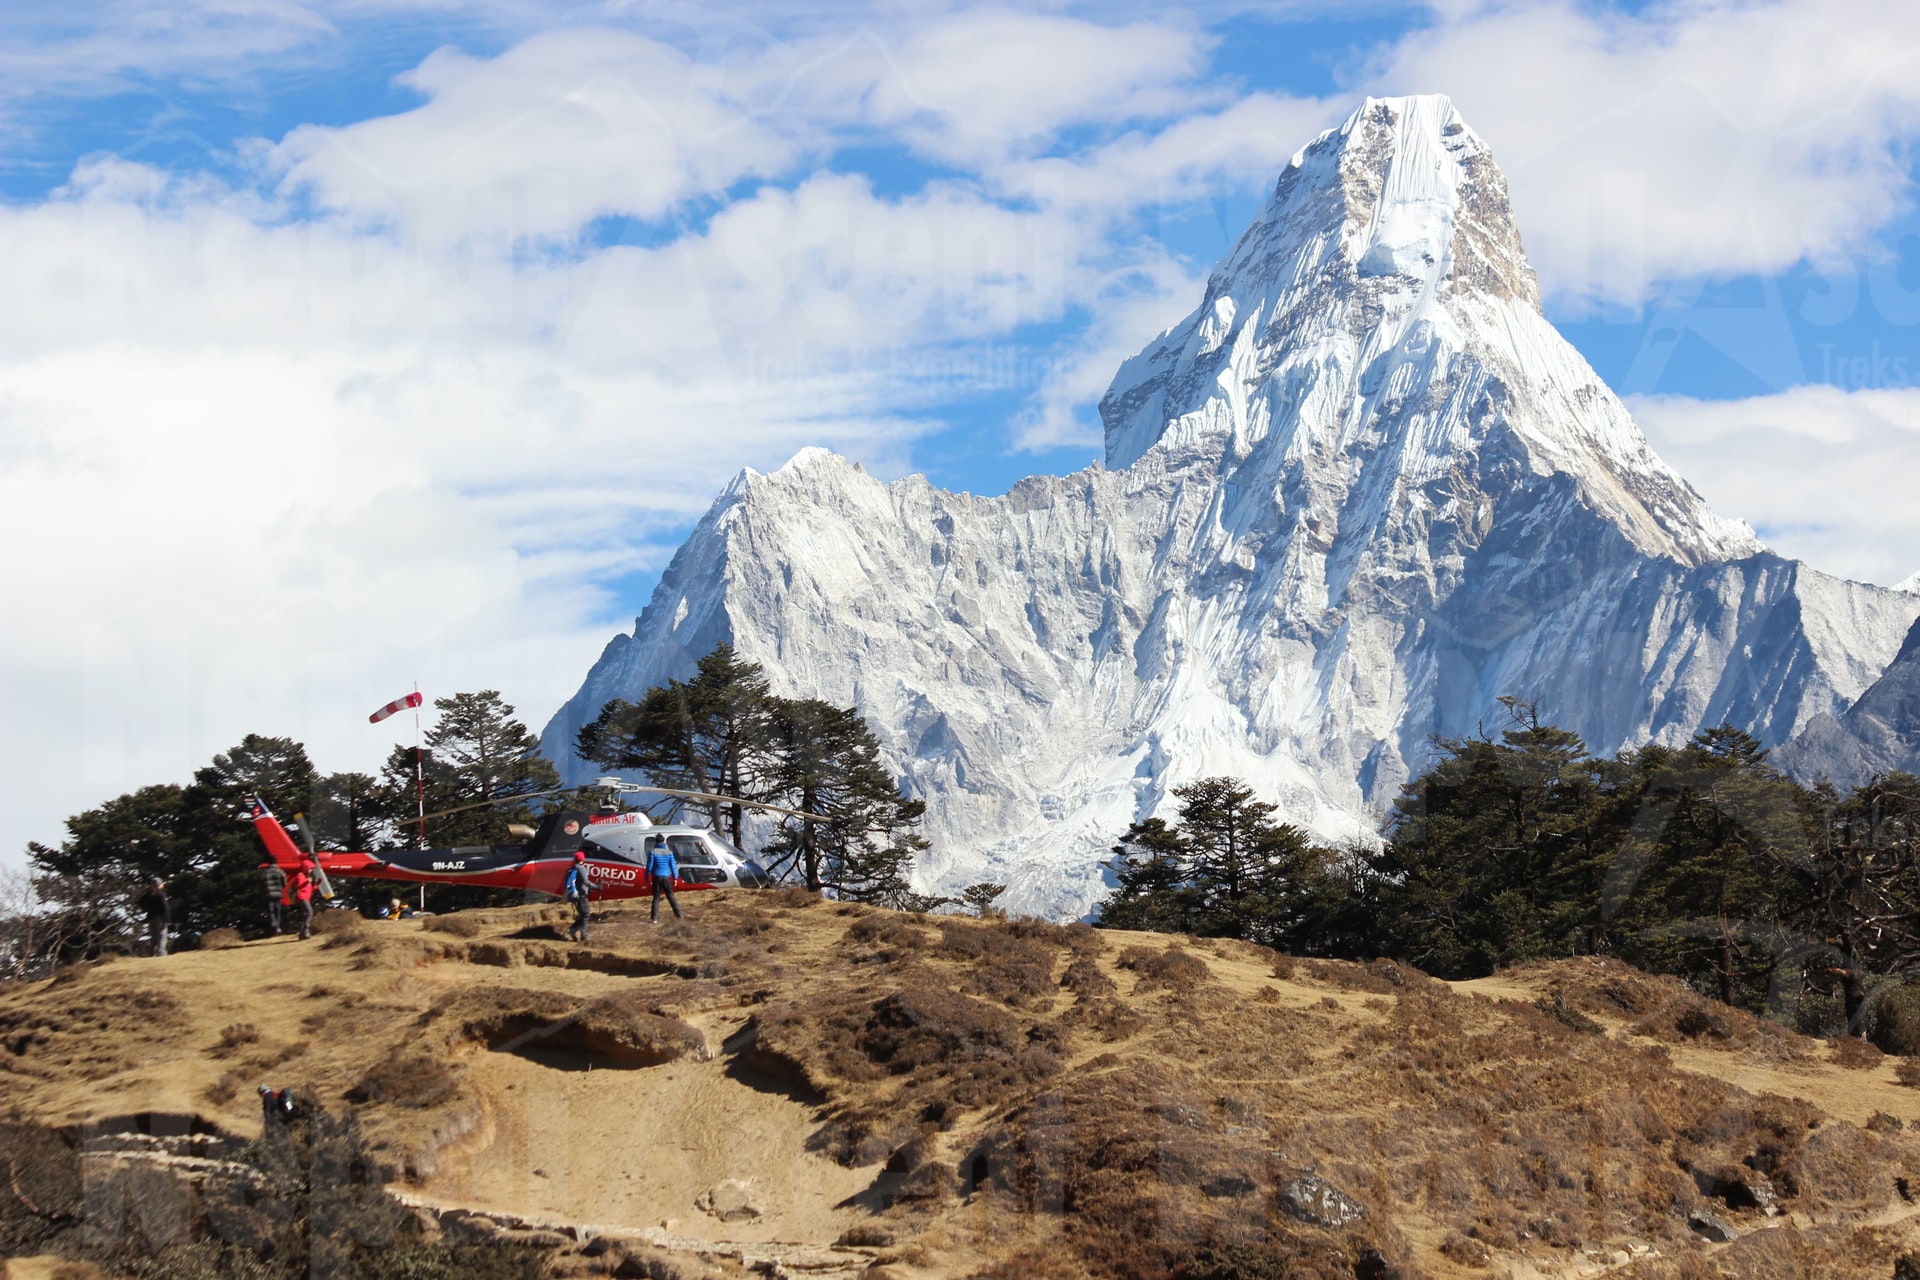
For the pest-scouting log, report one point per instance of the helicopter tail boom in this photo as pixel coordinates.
(280, 846)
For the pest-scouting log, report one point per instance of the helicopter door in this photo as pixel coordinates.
(697, 863)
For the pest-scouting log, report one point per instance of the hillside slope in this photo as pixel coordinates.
(857, 1092)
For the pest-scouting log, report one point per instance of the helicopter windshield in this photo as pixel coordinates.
(691, 851)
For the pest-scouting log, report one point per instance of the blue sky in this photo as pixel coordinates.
(354, 342)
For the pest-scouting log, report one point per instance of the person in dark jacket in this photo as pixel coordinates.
(276, 1111)
(274, 880)
(662, 867)
(159, 913)
(579, 890)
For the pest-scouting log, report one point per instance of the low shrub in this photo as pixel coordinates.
(220, 939)
(421, 1080)
(1009, 962)
(338, 921)
(1853, 1053)
(886, 936)
(1892, 1019)
(459, 924)
(1818, 1015)
(1086, 979)
(245, 1224)
(235, 1035)
(1172, 968)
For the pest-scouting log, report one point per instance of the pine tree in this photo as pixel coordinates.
(1254, 877)
(192, 837)
(225, 889)
(980, 897)
(825, 760)
(1856, 895)
(478, 762)
(1151, 886)
(1707, 894)
(1475, 874)
(85, 888)
(724, 733)
(710, 734)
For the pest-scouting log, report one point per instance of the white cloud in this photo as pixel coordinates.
(1696, 138)
(282, 468)
(1137, 302)
(1824, 475)
(103, 46)
(975, 85)
(1242, 146)
(575, 124)
(563, 128)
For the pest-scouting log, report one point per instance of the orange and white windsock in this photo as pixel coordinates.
(398, 704)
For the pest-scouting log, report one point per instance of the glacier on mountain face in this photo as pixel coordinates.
(1361, 492)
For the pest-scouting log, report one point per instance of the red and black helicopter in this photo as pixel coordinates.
(615, 844)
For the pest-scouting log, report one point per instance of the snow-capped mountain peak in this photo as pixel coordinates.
(1361, 493)
(1378, 322)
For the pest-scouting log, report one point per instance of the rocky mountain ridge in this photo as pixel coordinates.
(1362, 492)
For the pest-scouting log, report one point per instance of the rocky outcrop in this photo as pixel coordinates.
(1878, 734)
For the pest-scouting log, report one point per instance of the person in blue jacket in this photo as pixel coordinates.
(579, 890)
(662, 867)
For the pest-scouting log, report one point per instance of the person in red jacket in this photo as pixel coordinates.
(300, 889)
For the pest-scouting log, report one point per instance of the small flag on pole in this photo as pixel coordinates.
(398, 704)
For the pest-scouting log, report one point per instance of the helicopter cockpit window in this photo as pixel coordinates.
(691, 851)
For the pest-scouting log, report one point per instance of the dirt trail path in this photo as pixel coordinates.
(613, 1149)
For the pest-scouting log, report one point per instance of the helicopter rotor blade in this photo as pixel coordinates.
(481, 804)
(617, 784)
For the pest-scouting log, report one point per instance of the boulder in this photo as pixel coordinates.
(1311, 1198)
(1712, 1226)
(730, 1201)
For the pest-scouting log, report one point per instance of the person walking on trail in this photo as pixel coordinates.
(159, 913)
(274, 880)
(300, 890)
(579, 890)
(662, 867)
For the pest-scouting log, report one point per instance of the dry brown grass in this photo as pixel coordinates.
(80, 1028)
(219, 939)
(1054, 1101)
(461, 924)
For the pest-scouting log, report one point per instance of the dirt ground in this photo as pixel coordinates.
(957, 1098)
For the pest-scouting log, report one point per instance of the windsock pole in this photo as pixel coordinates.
(419, 781)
